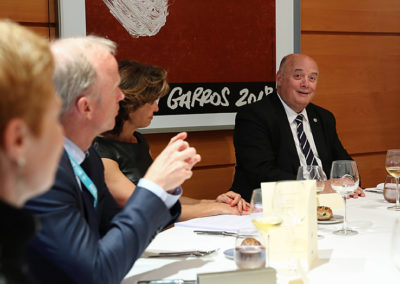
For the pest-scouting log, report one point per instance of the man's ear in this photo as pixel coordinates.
(84, 106)
(15, 138)
(278, 78)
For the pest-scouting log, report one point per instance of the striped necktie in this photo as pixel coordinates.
(304, 144)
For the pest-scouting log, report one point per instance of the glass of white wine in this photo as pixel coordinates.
(311, 172)
(264, 221)
(392, 165)
(344, 180)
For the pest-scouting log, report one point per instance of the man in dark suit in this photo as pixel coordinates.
(86, 237)
(267, 145)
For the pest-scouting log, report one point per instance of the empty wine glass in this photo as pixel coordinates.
(311, 172)
(344, 180)
(392, 165)
(264, 221)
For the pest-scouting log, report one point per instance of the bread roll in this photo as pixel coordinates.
(250, 242)
(324, 213)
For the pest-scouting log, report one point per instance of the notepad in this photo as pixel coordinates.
(229, 223)
(332, 200)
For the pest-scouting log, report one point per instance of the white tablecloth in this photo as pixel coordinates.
(363, 258)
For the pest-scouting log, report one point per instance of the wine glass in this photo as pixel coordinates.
(311, 172)
(344, 180)
(264, 221)
(392, 165)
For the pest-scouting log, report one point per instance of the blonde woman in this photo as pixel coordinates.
(30, 139)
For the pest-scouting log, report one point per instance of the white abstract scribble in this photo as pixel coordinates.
(139, 17)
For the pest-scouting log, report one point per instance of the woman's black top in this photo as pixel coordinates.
(133, 158)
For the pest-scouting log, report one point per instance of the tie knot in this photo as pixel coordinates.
(299, 119)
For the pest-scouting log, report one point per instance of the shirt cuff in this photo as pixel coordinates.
(169, 199)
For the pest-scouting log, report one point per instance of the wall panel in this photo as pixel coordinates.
(215, 147)
(357, 47)
(358, 83)
(372, 168)
(31, 11)
(351, 16)
(208, 183)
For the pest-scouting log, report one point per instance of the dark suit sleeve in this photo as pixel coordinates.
(338, 151)
(70, 244)
(327, 142)
(256, 152)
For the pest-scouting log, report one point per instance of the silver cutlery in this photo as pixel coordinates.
(221, 233)
(182, 253)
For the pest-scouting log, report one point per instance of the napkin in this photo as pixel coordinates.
(378, 188)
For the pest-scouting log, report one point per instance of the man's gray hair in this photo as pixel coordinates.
(74, 73)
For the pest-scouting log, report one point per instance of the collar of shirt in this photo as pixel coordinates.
(291, 114)
(76, 153)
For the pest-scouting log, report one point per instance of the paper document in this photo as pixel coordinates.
(229, 223)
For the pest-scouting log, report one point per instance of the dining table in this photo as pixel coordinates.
(362, 258)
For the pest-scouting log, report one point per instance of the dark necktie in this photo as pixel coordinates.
(304, 144)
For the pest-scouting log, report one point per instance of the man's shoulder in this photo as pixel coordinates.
(319, 110)
(264, 107)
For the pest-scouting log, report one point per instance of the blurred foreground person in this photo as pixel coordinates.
(31, 140)
(86, 237)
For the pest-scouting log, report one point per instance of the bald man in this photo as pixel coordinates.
(266, 142)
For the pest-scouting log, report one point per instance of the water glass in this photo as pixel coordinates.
(312, 172)
(344, 180)
(389, 189)
(249, 249)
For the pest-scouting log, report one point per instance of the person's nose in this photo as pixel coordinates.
(304, 82)
(155, 107)
(120, 95)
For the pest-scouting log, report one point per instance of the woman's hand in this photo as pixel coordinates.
(233, 199)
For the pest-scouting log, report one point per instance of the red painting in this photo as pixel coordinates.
(202, 40)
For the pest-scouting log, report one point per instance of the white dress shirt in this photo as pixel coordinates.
(169, 199)
(291, 116)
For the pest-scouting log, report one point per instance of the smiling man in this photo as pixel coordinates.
(275, 136)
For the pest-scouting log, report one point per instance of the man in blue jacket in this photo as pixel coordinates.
(86, 237)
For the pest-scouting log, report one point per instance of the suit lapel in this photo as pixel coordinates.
(85, 204)
(317, 132)
(287, 140)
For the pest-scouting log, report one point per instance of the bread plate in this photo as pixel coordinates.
(229, 253)
(334, 220)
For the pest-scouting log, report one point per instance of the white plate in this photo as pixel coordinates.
(229, 253)
(334, 220)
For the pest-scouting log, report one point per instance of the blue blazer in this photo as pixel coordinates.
(264, 145)
(80, 244)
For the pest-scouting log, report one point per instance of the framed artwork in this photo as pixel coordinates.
(220, 54)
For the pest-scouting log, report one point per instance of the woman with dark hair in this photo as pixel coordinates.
(125, 152)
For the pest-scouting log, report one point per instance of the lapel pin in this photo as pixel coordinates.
(315, 120)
